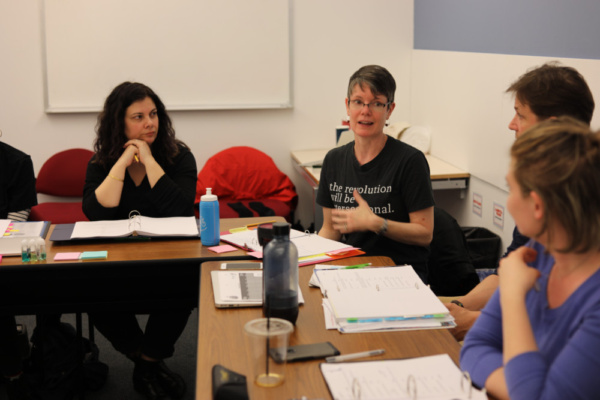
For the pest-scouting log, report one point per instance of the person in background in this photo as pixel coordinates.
(17, 184)
(17, 196)
(376, 191)
(537, 338)
(140, 165)
(545, 92)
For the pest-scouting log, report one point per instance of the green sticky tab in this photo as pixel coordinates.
(94, 255)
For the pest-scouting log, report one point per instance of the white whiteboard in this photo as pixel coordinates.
(195, 54)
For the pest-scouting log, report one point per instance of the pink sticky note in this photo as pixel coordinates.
(257, 254)
(223, 248)
(340, 251)
(67, 256)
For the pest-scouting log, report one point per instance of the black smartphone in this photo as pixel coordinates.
(303, 352)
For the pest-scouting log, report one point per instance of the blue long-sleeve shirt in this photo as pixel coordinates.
(518, 240)
(567, 363)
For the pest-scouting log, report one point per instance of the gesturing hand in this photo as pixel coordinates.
(356, 219)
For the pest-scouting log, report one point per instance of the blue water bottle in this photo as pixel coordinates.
(209, 219)
(280, 275)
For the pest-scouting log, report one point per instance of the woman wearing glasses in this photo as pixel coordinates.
(376, 191)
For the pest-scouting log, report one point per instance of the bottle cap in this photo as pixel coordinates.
(281, 229)
(264, 233)
(208, 196)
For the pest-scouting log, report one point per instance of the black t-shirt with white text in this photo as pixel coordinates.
(394, 184)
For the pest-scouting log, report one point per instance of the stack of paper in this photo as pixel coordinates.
(10, 228)
(384, 298)
(312, 248)
(12, 233)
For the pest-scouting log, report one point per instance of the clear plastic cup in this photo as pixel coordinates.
(267, 341)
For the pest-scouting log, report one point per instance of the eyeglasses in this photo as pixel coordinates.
(376, 106)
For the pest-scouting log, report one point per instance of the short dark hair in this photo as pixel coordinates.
(377, 78)
(553, 90)
(110, 128)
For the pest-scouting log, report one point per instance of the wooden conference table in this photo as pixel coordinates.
(221, 340)
(137, 275)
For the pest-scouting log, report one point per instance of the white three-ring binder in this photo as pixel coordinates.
(432, 378)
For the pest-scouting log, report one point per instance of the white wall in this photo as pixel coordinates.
(331, 39)
(461, 97)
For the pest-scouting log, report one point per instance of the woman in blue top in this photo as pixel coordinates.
(538, 337)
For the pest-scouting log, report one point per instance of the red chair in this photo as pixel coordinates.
(62, 175)
(248, 184)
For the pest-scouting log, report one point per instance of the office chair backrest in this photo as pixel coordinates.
(242, 173)
(451, 271)
(247, 179)
(63, 174)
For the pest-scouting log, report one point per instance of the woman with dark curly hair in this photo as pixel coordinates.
(140, 165)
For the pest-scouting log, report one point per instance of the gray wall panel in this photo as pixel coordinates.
(550, 28)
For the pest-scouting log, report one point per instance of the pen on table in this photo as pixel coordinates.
(358, 266)
(352, 356)
(305, 398)
(259, 223)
